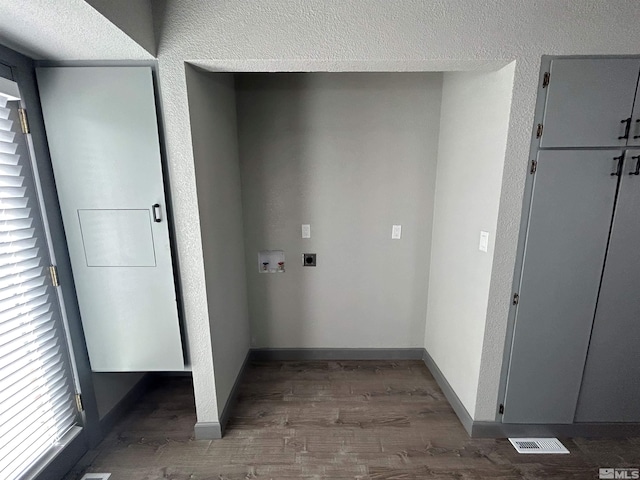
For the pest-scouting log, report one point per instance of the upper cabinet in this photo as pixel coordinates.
(590, 103)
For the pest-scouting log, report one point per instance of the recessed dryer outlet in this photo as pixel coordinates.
(308, 259)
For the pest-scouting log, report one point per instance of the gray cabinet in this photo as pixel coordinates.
(589, 103)
(611, 385)
(569, 223)
(574, 353)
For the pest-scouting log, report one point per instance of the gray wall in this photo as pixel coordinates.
(110, 388)
(471, 156)
(350, 154)
(212, 111)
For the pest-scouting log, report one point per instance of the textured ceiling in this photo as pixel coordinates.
(64, 30)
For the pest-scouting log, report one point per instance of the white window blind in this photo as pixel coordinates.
(36, 390)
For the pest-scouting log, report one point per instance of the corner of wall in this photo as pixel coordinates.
(467, 202)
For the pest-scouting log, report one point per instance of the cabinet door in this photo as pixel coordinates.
(611, 386)
(588, 101)
(572, 204)
(103, 136)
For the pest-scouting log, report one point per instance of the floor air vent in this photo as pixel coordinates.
(538, 445)
(96, 476)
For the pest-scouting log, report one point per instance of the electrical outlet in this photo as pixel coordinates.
(396, 232)
(484, 241)
(306, 231)
(308, 259)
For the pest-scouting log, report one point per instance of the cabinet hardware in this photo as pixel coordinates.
(79, 404)
(637, 136)
(156, 213)
(545, 79)
(637, 170)
(619, 167)
(534, 167)
(53, 273)
(24, 121)
(626, 128)
(516, 299)
(539, 131)
(501, 409)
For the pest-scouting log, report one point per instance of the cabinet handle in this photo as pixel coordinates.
(637, 170)
(157, 212)
(637, 136)
(619, 167)
(626, 128)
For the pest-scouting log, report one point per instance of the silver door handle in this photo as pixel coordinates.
(637, 170)
(157, 213)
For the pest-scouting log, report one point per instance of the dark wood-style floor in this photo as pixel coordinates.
(330, 420)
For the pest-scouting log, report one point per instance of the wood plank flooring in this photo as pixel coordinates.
(365, 420)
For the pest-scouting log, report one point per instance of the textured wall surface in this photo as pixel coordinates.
(466, 201)
(351, 155)
(212, 108)
(340, 35)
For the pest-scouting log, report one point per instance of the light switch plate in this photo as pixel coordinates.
(306, 231)
(484, 241)
(396, 232)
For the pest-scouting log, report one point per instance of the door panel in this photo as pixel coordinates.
(102, 130)
(611, 385)
(572, 204)
(587, 100)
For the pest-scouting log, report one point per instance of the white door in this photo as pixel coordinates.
(102, 131)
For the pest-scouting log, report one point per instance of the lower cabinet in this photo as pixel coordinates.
(573, 199)
(574, 354)
(611, 382)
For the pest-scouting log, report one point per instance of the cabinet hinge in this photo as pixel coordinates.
(545, 79)
(79, 404)
(539, 130)
(501, 409)
(534, 167)
(53, 273)
(516, 298)
(24, 122)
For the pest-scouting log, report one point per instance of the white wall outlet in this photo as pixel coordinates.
(306, 231)
(484, 241)
(396, 232)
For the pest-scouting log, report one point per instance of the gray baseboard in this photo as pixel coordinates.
(594, 430)
(233, 396)
(215, 430)
(300, 354)
(207, 431)
(125, 405)
(452, 397)
(505, 430)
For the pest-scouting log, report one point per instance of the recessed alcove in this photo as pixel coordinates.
(352, 154)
